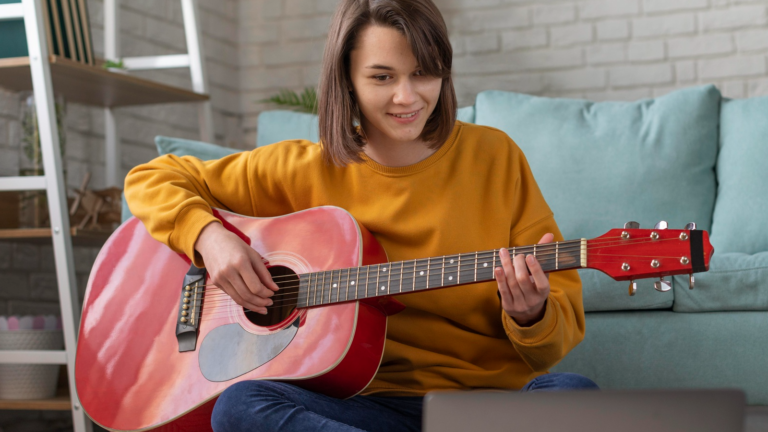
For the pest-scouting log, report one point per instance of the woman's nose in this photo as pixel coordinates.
(404, 93)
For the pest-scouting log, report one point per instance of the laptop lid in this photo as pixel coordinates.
(588, 411)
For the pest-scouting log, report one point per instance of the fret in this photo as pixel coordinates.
(378, 276)
(468, 267)
(434, 273)
(371, 283)
(421, 269)
(494, 263)
(395, 277)
(388, 270)
(442, 273)
(534, 251)
(485, 265)
(322, 287)
(428, 265)
(557, 255)
(344, 282)
(450, 270)
(408, 274)
(331, 286)
(356, 283)
(309, 284)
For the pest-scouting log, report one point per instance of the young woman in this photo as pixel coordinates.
(392, 154)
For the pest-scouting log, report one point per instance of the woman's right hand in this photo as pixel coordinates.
(236, 268)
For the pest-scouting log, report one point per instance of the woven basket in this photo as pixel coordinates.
(29, 381)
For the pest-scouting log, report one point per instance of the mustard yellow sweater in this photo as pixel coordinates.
(475, 193)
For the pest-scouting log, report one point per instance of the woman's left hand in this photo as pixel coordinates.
(523, 295)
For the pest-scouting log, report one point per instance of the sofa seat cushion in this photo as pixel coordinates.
(734, 282)
(738, 223)
(280, 125)
(661, 349)
(602, 164)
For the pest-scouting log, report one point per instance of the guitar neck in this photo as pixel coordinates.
(356, 283)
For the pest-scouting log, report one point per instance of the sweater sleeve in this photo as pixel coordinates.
(545, 343)
(173, 196)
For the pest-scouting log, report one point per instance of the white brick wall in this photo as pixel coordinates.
(598, 49)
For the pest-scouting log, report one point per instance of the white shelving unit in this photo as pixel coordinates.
(91, 86)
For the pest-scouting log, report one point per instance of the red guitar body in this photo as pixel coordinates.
(130, 374)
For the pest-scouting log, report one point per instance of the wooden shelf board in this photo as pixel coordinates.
(90, 85)
(60, 402)
(80, 237)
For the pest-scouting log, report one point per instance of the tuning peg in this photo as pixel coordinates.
(631, 225)
(690, 226)
(632, 288)
(662, 225)
(690, 281)
(662, 285)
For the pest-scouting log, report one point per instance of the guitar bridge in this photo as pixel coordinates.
(187, 322)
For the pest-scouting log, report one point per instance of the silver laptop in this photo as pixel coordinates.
(586, 410)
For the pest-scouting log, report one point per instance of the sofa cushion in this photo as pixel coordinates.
(661, 349)
(278, 125)
(738, 223)
(602, 164)
(184, 147)
(734, 282)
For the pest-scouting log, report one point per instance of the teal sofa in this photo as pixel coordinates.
(689, 156)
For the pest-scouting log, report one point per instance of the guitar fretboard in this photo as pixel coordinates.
(355, 283)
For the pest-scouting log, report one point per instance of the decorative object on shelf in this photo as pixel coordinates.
(102, 207)
(67, 31)
(33, 207)
(29, 381)
(110, 64)
(303, 102)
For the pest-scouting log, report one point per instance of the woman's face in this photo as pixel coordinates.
(394, 96)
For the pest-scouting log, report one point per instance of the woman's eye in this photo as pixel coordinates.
(381, 77)
(420, 73)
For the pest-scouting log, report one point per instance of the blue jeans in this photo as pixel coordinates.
(276, 406)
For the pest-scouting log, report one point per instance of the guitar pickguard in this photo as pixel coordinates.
(229, 351)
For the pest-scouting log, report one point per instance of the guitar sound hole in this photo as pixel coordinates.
(284, 300)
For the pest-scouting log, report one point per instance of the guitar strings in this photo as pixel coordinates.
(214, 297)
(409, 271)
(539, 249)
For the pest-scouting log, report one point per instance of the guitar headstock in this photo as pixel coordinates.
(633, 253)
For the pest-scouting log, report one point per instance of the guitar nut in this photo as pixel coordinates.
(655, 263)
(654, 235)
(625, 266)
(684, 260)
(624, 235)
(683, 236)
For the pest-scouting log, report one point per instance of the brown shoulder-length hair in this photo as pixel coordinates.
(422, 25)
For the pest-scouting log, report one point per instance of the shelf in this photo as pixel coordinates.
(60, 402)
(80, 237)
(89, 85)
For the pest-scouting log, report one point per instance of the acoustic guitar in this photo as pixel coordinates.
(157, 344)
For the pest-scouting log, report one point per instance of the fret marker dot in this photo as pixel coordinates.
(382, 288)
(450, 277)
(384, 269)
(421, 273)
(451, 261)
(485, 264)
(334, 285)
(353, 282)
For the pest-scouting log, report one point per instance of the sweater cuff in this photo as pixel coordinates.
(187, 228)
(535, 333)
